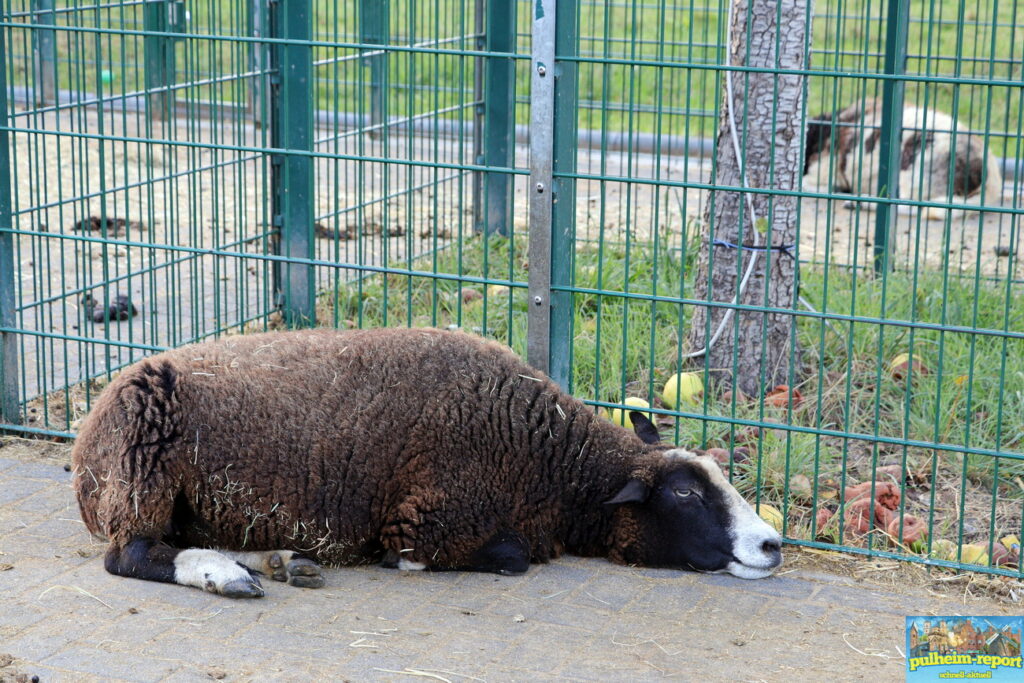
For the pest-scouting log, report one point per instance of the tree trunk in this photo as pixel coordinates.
(767, 110)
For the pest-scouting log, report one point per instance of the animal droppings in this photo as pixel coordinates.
(120, 308)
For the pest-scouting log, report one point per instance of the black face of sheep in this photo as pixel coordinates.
(419, 449)
(690, 517)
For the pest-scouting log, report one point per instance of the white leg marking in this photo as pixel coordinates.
(213, 572)
(410, 566)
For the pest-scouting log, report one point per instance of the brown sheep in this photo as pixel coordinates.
(412, 447)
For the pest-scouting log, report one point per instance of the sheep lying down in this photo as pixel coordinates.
(268, 454)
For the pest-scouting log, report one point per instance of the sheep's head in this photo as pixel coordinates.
(678, 510)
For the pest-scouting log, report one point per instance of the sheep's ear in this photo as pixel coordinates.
(635, 491)
(644, 428)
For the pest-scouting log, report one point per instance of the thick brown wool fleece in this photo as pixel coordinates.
(350, 444)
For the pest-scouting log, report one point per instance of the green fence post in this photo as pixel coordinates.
(563, 191)
(259, 63)
(44, 53)
(374, 29)
(896, 32)
(480, 29)
(9, 413)
(158, 55)
(499, 100)
(292, 166)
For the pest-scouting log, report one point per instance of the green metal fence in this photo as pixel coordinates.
(538, 172)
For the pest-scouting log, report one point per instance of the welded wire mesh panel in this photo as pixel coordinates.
(403, 90)
(963, 92)
(151, 205)
(904, 337)
(138, 189)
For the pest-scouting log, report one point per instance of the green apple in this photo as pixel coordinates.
(686, 387)
(621, 417)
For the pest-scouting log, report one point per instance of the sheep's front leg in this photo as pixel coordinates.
(149, 560)
(282, 565)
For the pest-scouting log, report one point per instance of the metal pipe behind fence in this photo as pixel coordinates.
(644, 143)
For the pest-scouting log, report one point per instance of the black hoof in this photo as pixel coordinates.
(239, 588)
(296, 571)
(306, 581)
(305, 573)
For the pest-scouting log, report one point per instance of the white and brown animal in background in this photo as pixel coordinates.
(935, 165)
(417, 448)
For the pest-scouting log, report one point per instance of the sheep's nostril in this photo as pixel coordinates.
(771, 547)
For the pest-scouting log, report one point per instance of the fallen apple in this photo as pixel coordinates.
(469, 295)
(686, 387)
(621, 417)
(496, 291)
(738, 394)
(720, 455)
(914, 529)
(800, 486)
(1011, 542)
(886, 493)
(903, 364)
(1001, 557)
(857, 517)
(782, 396)
(972, 553)
(770, 514)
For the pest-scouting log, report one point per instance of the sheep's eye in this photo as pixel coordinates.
(684, 493)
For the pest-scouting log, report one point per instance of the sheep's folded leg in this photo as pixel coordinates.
(144, 558)
(282, 565)
(507, 553)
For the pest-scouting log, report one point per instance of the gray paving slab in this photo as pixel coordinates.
(65, 618)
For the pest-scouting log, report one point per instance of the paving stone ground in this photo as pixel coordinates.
(63, 618)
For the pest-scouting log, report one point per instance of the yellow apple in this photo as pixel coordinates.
(770, 514)
(686, 387)
(903, 363)
(972, 553)
(621, 417)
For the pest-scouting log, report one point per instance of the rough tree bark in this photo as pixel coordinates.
(767, 111)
